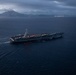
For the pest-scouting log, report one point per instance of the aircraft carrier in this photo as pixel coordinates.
(35, 37)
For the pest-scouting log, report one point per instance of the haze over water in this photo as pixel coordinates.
(56, 57)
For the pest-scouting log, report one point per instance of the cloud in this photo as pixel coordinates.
(39, 6)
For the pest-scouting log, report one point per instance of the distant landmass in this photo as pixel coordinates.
(11, 14)
(14, 14)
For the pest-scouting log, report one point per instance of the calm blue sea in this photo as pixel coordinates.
(56, 57)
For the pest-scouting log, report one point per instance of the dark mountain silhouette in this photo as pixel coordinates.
(11, 13)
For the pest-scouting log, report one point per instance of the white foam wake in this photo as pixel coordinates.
(7, 42)
(4, 40)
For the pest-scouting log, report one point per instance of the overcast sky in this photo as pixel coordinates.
(59, 7)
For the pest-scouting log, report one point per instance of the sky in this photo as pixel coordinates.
(53, 7)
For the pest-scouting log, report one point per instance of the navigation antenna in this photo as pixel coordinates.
(26, 33)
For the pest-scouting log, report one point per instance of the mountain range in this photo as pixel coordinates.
(12, 13)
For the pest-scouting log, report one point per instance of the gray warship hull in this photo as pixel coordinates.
(35, 38)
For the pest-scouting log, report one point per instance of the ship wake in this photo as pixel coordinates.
(4, 40)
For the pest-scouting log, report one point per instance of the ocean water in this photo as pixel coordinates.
(56, 57)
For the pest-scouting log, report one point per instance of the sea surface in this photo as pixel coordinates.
(56, 57)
